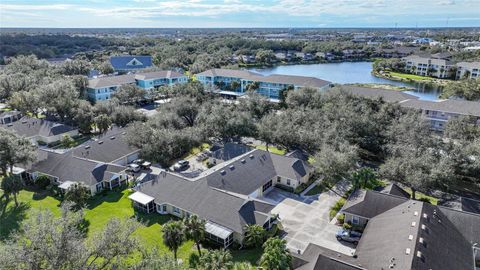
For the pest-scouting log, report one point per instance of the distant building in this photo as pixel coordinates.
(468, 70)
(103, 88)
(438, 66)
(269, 86)
(438, 113)
(130, 62)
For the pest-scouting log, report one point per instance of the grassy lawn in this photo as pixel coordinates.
(317, 189)
(272, 149)
(100, 209)
(411, 76)
(249, 255)
(422, 196)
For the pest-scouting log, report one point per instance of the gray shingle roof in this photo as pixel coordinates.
(368, 204)
(253, 169)
(29, 127)
(432, 240)
(234, 73)
(208, 203)
(319, 258)
(108, 147)
(386, 94)
(468, 224)
(66, 167)
(110, 81)
(299, 81)
(245, 174)
(450, 106)
(394, 189)
(158, 75)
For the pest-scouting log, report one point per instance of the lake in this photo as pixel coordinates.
(348, 72)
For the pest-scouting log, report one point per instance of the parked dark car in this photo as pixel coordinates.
(181, 165)
(348, 236)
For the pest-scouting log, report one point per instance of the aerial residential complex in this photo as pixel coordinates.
(102, 88)
(228, 196)
(440, 65)
(239, 81)
(436, 112)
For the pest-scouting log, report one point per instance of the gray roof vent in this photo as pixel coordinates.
(87, 146)
(100, 142)
(243, 161)
(251, 156)
(231, 167)
(112, 138)
(124, 133)
(223, 172)
(24, 121)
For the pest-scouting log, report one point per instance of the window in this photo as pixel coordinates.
(279, 179)
(164, 208)
(176, 210)
(288, 182)
(355, 220)
(267, 186)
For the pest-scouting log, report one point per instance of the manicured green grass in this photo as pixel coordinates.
(101, 208)
(272, 149)
(422, 196)
(249, 255)
(317, 189)
(411, 76)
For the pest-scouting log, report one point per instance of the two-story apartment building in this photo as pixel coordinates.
(269, 86)
(468, 70)
(428, 66)
(439, 112)
(103, 88)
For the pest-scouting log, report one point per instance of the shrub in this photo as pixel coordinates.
(341, 218)
(42, 181)
(338, 205)
(347, 226)
(67, 141)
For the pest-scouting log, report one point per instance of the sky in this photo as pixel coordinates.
(238, 13)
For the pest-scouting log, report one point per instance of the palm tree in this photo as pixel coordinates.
(173, 236)
(275, 255)
(12, 185)
(195, 230)
(254, 235)
(216, 260)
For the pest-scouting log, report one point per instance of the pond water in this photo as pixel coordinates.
(349, 72)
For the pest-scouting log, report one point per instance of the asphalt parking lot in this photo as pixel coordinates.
(307, 221)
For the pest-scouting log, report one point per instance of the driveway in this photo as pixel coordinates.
(307, 221)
